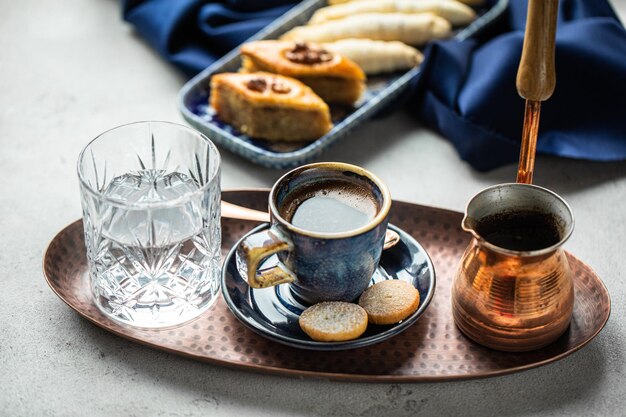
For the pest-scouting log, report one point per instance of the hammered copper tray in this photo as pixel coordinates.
(433, 349)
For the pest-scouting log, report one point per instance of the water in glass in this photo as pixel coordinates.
(153, 264)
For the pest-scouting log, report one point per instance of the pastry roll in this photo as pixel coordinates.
(451, 10)
(376, 57)
(412, 29)
(468, 2)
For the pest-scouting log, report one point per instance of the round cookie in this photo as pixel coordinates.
(333, 321)
(388, 302)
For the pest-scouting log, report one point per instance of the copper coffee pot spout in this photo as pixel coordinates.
(467, 224)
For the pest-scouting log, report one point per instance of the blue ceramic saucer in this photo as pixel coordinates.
(273, 312)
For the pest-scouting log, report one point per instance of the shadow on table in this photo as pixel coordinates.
(565, 176)
(570, 384)
(359, 147)
(372, 138)
(398, 130)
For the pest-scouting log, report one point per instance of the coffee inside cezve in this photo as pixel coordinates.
(519, 230)
(330, 207)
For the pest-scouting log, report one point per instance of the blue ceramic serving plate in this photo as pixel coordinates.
(274, 312)
(381, 91)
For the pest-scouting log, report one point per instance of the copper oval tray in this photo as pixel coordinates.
(431, 350)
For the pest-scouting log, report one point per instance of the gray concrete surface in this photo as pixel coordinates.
(70, 69)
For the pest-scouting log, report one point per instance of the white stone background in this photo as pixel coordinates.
(71, 69)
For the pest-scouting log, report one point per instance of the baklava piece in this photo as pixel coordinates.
(334, 78)
(269, 106)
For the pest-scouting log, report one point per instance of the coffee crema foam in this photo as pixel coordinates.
(332, 206)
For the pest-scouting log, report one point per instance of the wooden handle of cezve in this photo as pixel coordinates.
(536, 75)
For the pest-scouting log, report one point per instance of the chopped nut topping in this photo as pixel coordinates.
(303, 53)
(280, 88)
(260, 85)
(257, 84)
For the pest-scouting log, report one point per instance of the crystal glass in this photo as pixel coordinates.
(151, 212)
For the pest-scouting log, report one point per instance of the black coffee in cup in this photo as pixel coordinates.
(331, 206)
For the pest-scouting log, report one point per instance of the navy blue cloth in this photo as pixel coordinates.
(467, 91)
(192, 34)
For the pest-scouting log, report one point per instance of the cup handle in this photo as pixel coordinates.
(257, 247)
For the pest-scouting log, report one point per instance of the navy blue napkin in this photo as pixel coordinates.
(467, 91)
(192, 34)
(470, 97)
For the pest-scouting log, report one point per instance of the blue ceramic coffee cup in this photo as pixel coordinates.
(335, 266)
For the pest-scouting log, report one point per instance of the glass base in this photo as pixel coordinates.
(145, 318)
